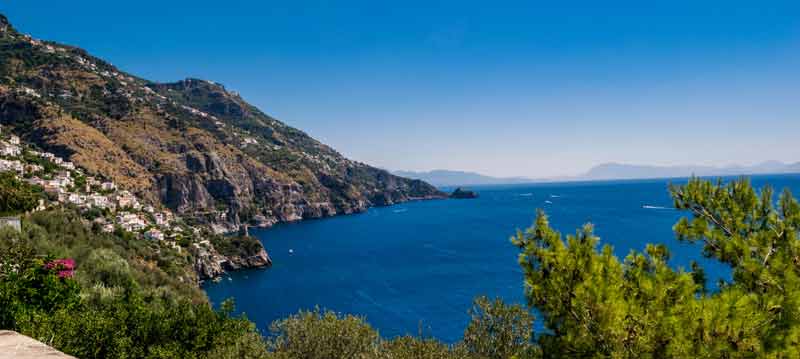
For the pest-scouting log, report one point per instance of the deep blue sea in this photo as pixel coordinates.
(417, 266)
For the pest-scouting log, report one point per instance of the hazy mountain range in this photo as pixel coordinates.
(628, 171)
(444, 178)
(606, 171)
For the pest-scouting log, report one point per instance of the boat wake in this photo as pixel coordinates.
(526, 194)
(654, 207)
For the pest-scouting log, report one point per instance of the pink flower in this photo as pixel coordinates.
(65, 267)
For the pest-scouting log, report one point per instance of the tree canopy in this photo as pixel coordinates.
(595, 305)
(17, 196)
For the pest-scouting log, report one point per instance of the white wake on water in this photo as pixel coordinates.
(645, 206)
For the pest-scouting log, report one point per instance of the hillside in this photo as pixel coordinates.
(192, 145)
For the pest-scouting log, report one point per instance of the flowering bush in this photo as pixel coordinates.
(65, 267)
(29, 284)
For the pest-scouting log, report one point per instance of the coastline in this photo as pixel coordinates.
(212, 266)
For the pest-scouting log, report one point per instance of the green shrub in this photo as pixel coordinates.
(498, 330)
(30, 284)
(323, 334)
(17, 196)
(409, 347)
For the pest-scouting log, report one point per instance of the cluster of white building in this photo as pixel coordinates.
(128, 212)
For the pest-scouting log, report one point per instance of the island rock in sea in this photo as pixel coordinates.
(461, 193)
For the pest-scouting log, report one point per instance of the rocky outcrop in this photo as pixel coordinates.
(215, 258)
(257, 260)
(208, 263)
(461, 193)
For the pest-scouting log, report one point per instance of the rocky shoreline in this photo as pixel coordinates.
(211, 265)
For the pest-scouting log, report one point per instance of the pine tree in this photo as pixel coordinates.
(596, 305)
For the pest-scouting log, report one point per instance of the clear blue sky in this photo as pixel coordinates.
(503, 88)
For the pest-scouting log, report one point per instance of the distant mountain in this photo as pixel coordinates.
(629, 171)
(444, 178)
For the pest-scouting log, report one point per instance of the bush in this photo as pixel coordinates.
(408, 347)
(17, 196)
(39, 298)
(31, 284)
(498, 330)
(323, 334)
(105, 267)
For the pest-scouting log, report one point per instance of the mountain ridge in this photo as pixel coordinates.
(603, 171)
(191, 145)
(450, 178)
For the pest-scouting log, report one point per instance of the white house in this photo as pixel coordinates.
(154, 234)
(131, 221)
(8, 149)
(126, 199)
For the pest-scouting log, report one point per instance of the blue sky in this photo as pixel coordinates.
(504, 88)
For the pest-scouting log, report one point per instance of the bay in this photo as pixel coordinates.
(415, 268)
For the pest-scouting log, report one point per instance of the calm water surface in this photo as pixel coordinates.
(417, 266)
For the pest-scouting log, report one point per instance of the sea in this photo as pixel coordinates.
(415, 268)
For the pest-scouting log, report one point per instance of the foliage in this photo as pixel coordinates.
(140, 327)
(498, 330)
(17, 196)
(409, 347)
(28, 284)
(324, 334)
(241, 246)
(595, 305)
(48, 167)
(113, 308)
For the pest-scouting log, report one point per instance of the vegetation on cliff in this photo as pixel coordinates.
(191, 145)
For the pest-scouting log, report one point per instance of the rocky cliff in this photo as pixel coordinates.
(192, 145)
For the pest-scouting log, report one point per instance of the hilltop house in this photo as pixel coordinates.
(99, 201)
(154, 234)
(126, 199)
(131, 222)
